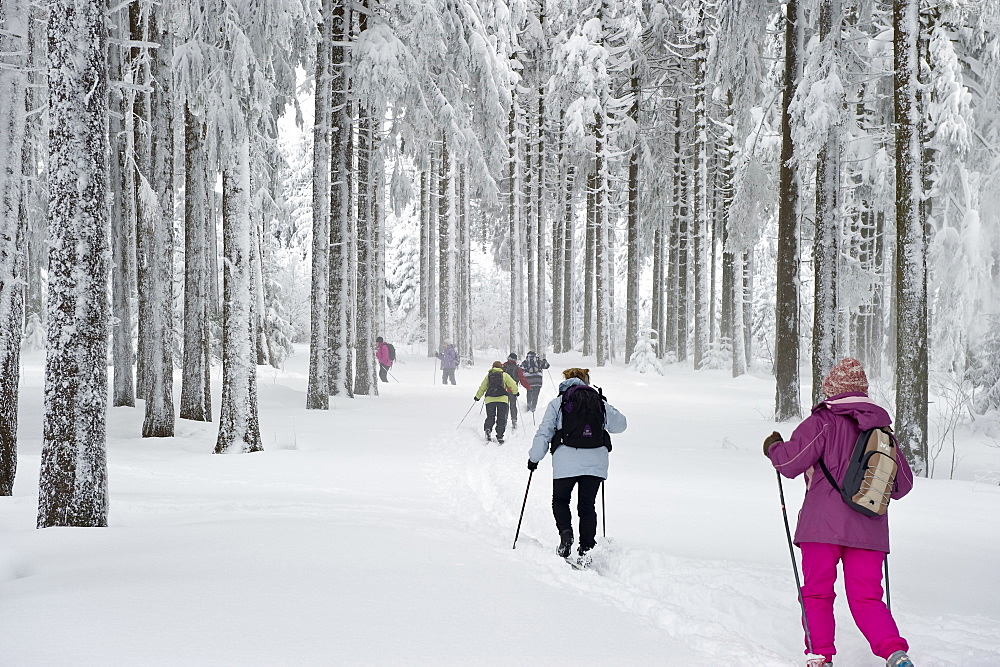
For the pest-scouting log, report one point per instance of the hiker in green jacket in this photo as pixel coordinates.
(495, 386)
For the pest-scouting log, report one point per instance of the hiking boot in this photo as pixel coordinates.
(899, 659)
(499, 439)
(817, 661)
(585, 558)
(489, 438)
(565, 543)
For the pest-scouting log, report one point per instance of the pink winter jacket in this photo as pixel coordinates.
(831, 432)
(382, 354)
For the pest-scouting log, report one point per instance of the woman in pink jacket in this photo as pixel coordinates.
(828, 531)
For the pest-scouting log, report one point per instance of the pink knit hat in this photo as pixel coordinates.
(847, 375)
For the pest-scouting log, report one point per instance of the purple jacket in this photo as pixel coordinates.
(831, 432)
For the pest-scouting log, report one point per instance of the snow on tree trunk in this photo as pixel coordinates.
(675, 293)
(239, 429)
(786, 315)
(911, 241)
(365, 377)
(602, 252)
(317, 392)
(158, 198)
(558, 255)
(826, 240)
(634, 264)
(341, 233)
(73, 481)
(540, 339)
(589, 273)
(531, 225)
(122, 223)
(446, 248)
(139, 63)
(699, 204)
(13, 225)
(196, 395)
(569, 225)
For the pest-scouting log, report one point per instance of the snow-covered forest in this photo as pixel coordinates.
(193, 192)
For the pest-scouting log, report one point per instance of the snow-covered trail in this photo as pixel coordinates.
(378, 533)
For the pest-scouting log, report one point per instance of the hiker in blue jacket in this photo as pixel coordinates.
(571, 466)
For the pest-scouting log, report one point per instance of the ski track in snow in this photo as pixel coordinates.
(705, 605)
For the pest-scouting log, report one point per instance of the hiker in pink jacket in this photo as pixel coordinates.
(828, 530)
(383, 353)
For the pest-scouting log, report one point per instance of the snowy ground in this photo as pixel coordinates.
(378, 533)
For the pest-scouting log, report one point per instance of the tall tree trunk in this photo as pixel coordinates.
(634, 259)
(683, 264)
(589, 266)
(911, 241)
(340, 366)
(699, 204)
(159, 419)
(531, 224)
(540, 302)
(826, 240)
(558, 254)
(13, 225)
(569, 224)
(513, 214)
(602, 251)
(73, 481)
(239, 428)
(122, 226)
(196, 394)
(318, 390)
(364, 378)
(446, 269)
(674, 294)
(786, 315)
(140, 59)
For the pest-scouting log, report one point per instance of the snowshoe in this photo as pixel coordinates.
(489, 437)
(817, 661)
(584, 559)
(499, 439)
(576, 563)
(899, 659)
(565, 543)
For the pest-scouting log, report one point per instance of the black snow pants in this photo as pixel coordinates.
(586, 495)
(533, 397)
(383, 372)
(496, 413)
(446, 374)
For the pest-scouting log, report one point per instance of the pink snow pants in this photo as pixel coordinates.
(863, 585)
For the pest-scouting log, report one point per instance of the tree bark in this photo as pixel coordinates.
(786, 316)
(911, 241)
(159, 418)
(196, 394)
(634, 259)
(13, 225)
(318, 390)
(73, 481)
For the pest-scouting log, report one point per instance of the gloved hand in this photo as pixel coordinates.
(532, 465)
(475, 398)
(770, 440)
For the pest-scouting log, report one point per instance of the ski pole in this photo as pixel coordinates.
(795, 566)
(393, 377)
(523, 505)
(434, 378)
(888, 602)
(604, 513)
(466, 415)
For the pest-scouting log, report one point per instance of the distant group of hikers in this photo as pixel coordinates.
(845, 449)
(500, 387)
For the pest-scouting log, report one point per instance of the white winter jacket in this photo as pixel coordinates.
(569, 461)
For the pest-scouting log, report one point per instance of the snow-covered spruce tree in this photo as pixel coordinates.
(644, 358)
(14, 25)
(72, 487)
(911, 240)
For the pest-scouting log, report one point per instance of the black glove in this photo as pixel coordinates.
(532, 465)
(600, 392)
(475, 398)
(770, 440)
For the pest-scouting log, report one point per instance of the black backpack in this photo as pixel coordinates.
(871, 472)
(511, 369)
(583, 418)
(494, 385)
(392, 351)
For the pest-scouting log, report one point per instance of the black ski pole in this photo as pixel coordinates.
(888, 602)
(795, 566)
(389, 373)
(604, 513)
(466, 415)
(434, 379)
(523, 505)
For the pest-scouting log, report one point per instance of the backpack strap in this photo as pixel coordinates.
(829, 477)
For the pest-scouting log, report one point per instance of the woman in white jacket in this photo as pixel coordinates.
(579, 455)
